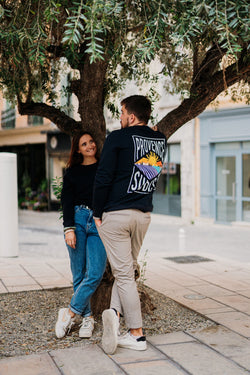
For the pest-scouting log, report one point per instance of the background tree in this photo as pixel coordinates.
(203, 47)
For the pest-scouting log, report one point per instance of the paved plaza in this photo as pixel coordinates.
(204, 267)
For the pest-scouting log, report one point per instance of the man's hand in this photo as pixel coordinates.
(98, 222)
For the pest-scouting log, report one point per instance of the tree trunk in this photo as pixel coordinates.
(89, 90)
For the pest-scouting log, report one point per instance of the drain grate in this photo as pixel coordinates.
(189, 259)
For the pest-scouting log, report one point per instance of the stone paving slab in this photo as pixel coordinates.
(152, 368)
(236, 321)
(123, 356)
(35, 364)
(198, 359)
(226, 342)
(206, 352)
(170, 338)
(86, 360)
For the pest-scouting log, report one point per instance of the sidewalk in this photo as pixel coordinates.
(217, 287)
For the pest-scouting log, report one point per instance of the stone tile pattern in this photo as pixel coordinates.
(219, 290)
(198, 353)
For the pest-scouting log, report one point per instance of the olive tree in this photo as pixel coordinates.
(203, 47)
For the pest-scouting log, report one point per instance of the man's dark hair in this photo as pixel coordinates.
(139, 105)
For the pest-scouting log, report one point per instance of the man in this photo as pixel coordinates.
(129, 169)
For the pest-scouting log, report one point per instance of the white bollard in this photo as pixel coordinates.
(182, 240)
(8, 205)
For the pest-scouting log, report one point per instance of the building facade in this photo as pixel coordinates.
(225, 165)
(206, 174)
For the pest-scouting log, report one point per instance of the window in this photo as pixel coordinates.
(170, 181)
(8, 117)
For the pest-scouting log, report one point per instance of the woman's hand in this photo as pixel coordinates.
(70, 239)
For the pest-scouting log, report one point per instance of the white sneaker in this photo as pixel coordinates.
(87, 327)
(64, 323)
(132, 342)
(110, 331)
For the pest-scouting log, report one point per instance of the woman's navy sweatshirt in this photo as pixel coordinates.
(129, 168)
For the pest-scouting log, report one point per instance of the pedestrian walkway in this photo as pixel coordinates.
(206, 282)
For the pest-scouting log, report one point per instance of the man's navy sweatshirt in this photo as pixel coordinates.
(129, 168)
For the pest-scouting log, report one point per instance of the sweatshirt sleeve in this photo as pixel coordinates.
(67, 202)
(105, 174)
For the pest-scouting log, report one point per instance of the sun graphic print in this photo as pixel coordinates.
(150, 165)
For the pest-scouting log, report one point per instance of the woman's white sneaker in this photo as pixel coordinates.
(64, 323)
(87, 327)
(129, 341)
(110, 331)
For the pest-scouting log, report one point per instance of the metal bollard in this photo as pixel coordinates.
(182, 240)
(8, 205)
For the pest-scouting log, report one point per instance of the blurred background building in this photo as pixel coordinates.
(206, 174)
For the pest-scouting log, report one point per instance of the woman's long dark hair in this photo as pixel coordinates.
(75, 158)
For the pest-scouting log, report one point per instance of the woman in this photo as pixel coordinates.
(86, 251)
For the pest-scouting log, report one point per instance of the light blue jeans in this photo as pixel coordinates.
(87, 261)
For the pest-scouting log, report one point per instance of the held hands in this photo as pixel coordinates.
(98, 222)
(70, 239)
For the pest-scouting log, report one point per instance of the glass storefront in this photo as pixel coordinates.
(167, 198)
(232, 181)
(246, 186)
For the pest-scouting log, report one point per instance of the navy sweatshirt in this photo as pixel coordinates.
(130, 166)
(77, 189)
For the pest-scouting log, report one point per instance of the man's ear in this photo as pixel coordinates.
(132, 118)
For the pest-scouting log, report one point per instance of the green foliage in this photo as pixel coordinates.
(129, 35)
(57, 184)
(223, 22)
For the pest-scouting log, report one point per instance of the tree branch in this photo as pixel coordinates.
(209, 64)
(65, 123)
(203, 93)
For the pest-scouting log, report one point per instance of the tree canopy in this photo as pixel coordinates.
(203, 47)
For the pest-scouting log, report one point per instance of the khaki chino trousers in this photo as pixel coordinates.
(122, 233)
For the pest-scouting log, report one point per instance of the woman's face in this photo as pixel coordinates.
(87, 146)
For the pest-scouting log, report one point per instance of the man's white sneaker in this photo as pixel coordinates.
(132, 342)
(64, 323)
(87, 327)
(110, 331)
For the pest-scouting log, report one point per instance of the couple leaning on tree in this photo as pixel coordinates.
(106, 210)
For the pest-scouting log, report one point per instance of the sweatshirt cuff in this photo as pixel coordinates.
(67, 228)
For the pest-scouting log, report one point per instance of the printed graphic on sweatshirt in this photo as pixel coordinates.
(148, 161)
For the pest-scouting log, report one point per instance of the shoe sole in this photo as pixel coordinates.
(140, 348)
(84, 336)
(58, 331)
(109, 337)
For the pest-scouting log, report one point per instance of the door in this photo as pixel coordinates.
(246, 187)
(232, 182)
(225, 192)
